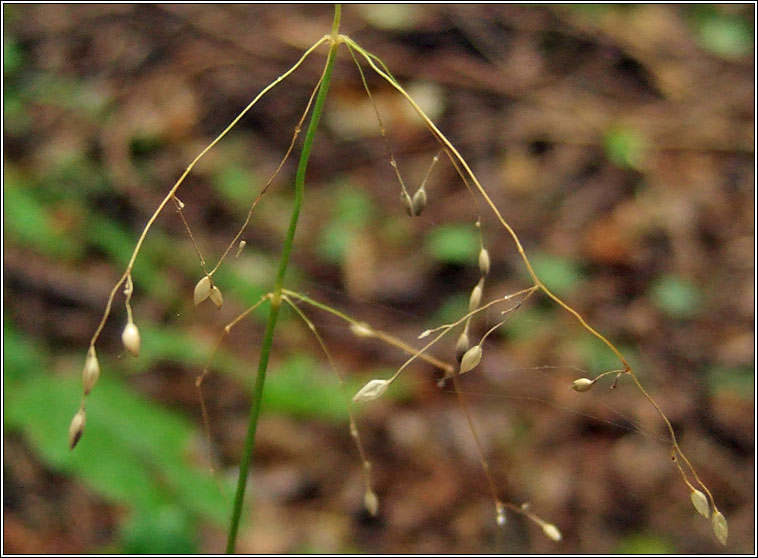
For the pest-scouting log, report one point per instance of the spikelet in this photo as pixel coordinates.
(371, 501)
(419, 202)
(471, 359)
(130, 338)
(701, 503)
(76, 429)
(476, 296)
(500, 514)
(202, 290)
(461, 346)
(484, 261)
(552, 532)
(372, 390)
(582, 384)
(361, 329)
(216, 297)
(91, 371)
(407, 203)
(720, 528)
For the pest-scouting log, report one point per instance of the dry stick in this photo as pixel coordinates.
(538, 282)
(370, 500)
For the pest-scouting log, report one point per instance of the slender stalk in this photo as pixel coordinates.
(276, 298)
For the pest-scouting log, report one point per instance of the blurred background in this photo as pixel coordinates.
(618, 142)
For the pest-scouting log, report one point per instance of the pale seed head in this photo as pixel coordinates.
(484, 261)
(91, 371)
(701, 503)
(552, 532)
(471, 359)
(500, 514)
(372, 390)
(419, 202)
(407, 203)
(202, 290)
(371, 501)
(130, 338)
(242, 244)
(582, 384)
(216, 297)
(76, 429)
(361, 329)
(718, 522)
(476, 296)
(461, 346)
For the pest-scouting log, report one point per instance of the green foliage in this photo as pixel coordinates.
(597, 358)
(13, 57)
(453, 244)
(22, 358)
(29, 222)
(644, 543)
(737, 381)
(724, 34)
(677, 297)
(454, 306)
(561, 275)
(134, 453)
(236, 184)
(302, 387)
(167, 531)
(530, 322)
(625, 147)
(352, 210)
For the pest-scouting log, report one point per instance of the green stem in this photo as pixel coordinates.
(276, 298)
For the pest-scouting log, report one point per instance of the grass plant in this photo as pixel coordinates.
(469, 348)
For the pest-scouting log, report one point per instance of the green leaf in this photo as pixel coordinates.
(453, 309)
(166, 531)
(453, 244)
(597, 357)
(739, 381)
(133, 452)
(676, 297)
(303, 387)
(28, 222)
(13, 57)
(22, 358)
(643, 543)
(561, 275)
(726, 35)
(238, 185)
(625, 147)
(118, 243)
(351, 210)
